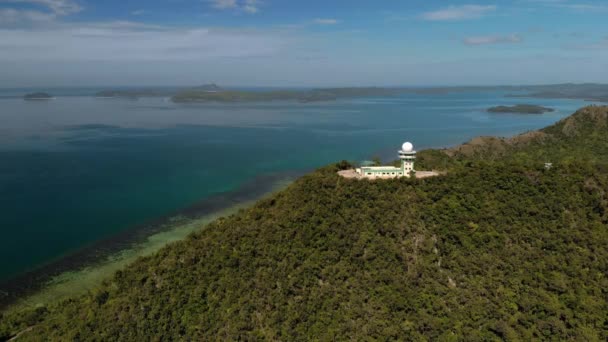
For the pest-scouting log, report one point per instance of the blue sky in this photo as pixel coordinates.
(301, 43)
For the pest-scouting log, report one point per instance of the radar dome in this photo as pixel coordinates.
(407, 147)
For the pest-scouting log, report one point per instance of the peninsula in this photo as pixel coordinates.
(520, 109)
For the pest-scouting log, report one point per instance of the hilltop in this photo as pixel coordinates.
(498, 248)
(581, 135)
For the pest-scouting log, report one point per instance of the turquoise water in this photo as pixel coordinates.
(78, 169)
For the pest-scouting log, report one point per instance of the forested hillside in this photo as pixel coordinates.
(498, 248)
(583, 135)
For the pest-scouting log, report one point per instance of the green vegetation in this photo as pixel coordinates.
(78, 282)
(499, 248)
(520, 109)
(581, 136)
(38, 96)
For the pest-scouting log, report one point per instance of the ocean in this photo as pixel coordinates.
(80, 172)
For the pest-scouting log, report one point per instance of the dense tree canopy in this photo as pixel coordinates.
(498, 248)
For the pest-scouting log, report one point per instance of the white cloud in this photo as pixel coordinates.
(453, 13)
(251, 6)
(248, 6)
(489, 40)
(572, 5)
(130, 41)
(11, 16)
(52, 10)
(57, 7)
(224, 4)
(583, 7)
(326, 21)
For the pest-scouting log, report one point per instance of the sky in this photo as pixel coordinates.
(301, 43)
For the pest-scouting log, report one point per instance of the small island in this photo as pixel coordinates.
(211, 88)
(520, 109)
(37, 96)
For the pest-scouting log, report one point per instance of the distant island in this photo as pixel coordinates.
(204, 94)
(520, 109)
(38, 96)
(212, 87)
(133, 94)
(585, 91)
(155, 91)
(215, 93)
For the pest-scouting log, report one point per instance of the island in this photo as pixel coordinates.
(212, 87)
(134, 94)
(39, 96)
(214, 93)
(586, 91)
(303, 96)
(520, 109)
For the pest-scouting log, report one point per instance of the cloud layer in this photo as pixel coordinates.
(453, 13)
(247, 6)
(490, 40)
(40, 44)
(128, 41)
(326, 21)
(43, 11)
(57, 7)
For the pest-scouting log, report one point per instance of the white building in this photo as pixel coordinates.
(407, 156)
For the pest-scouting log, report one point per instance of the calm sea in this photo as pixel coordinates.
(78, 169)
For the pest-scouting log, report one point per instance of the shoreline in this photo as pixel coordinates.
(81, 271)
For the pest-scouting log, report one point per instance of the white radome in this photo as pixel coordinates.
(407, 147)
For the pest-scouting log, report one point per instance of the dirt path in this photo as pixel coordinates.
(14, 338)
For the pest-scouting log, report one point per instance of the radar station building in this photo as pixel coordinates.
(407, 155)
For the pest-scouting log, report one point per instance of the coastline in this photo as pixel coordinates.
(77, 282)
(84, 270)
(81, 270)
